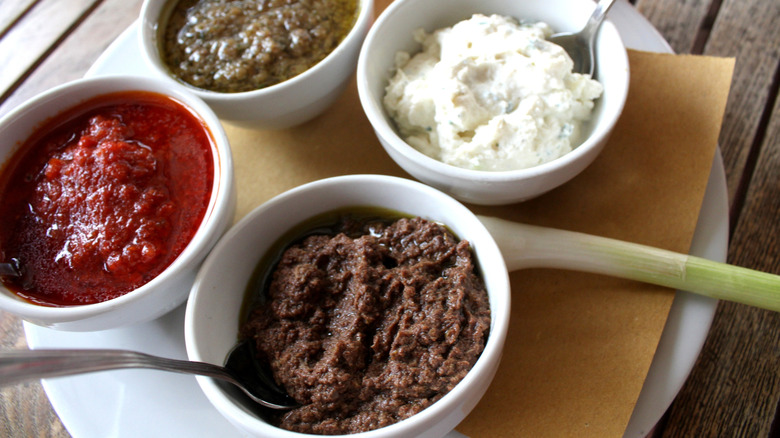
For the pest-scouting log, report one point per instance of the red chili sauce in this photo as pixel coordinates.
(102, 199)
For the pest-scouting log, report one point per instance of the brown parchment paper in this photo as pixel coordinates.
(579, 345)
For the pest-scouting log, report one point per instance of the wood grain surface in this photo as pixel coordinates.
(25, 410)
(734, 388)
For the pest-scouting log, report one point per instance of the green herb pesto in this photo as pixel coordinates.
(242, 45)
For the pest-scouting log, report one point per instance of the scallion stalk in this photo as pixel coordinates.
(530, 246)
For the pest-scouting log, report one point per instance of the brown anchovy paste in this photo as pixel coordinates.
(372, 325)
(233, 46)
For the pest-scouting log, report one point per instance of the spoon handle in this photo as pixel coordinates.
(22, 365)
(529, 246)
(602, 7)
(10, 269)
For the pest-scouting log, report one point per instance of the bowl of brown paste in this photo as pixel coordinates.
(380, 304)
(257, 63)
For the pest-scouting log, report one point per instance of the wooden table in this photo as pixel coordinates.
(734, 387)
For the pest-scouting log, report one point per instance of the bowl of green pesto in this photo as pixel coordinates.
(257, 63)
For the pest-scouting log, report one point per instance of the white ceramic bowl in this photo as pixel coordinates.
(392, 32)
(286, 104)
(213, 310)
(169, 289)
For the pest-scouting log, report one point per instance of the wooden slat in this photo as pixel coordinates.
(12, 10)
(749, 31)
(738, 374)
(71, 60)
(679, 22)
(746, 30)
(34, 36)
(735, 385)
(25, 408)
(734, 388)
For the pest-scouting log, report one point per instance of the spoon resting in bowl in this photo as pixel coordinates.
(241, 369)
(10, 269)
(580, 45)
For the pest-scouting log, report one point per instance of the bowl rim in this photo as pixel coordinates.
(219, 200)
(382, 123)
(484, 368)
(148, 37)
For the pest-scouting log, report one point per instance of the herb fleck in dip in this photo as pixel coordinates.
(234, 46)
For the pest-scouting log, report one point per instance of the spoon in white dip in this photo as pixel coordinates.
(580, 45)
(241, 369)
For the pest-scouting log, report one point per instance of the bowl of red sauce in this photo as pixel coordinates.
(112, 191)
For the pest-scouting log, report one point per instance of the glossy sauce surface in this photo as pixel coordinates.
(101, 200)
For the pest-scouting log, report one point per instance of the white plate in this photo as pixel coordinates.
(133, 403)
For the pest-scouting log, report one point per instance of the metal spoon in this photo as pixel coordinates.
(240, 369)
(10, 269)
(580, 45)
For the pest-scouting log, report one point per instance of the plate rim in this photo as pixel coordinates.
(655, 397)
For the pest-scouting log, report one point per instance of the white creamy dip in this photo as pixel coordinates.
(490, 94)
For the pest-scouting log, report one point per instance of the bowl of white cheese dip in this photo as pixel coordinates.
(468, 96)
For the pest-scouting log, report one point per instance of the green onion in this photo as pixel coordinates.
(530, 246)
